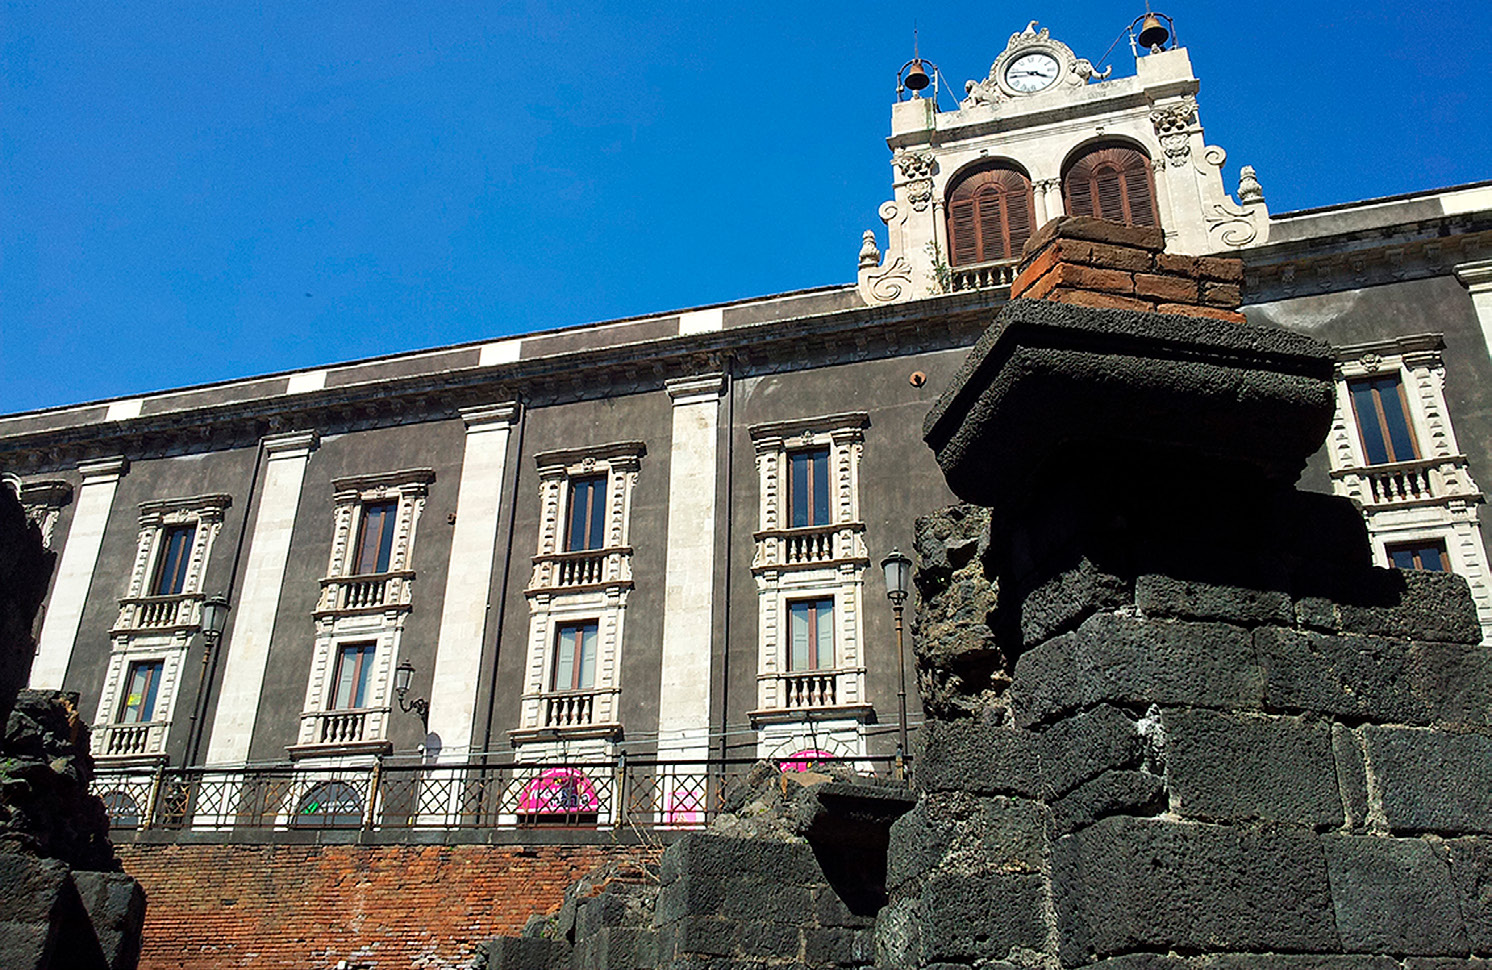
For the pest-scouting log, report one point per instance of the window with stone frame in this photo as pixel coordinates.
(809, 565)
(159, 614)
(1393, 451)
(366, 598)
(1112, 181)
(577, 595)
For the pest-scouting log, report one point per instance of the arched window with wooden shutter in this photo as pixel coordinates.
(989, 215)
(1111, 182)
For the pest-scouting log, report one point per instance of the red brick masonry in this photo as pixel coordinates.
(378, 907)
(1094, 263)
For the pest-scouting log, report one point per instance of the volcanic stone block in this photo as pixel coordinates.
(1230, 767)
(1413, 604)
(1069, 598)
(1428, 780)
(1086, 745)
(1111, 793)
(1471, 876)
(1378, 678)
(1125, 884)
(770, 940)
(1048, 374)
(1352, 774)
(982, 916)
(1392, 896)
(617, 948)
(1158, 595)
(838, 947)
(1293, 961)
(527, 953)
(976, 756)
(116, 906)
(830, 910)
(1127, 660)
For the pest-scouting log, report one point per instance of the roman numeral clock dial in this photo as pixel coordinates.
(1032, 72)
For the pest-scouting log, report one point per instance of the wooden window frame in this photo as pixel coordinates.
(149, 695)
(1414, 548)
(1089, 169)
(987, 202)
(581, 631)
(173, 565)
(592, 524)
(361, 674)
(818, 481)
(388, 526)
(819, 610)
(1379, 416)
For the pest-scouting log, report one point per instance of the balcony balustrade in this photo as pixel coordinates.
(130, 740)
(160, 613)
(1420, 482)
(808, 689)
(983, 276)
(583, 568)
(811, 546)
(346, 726)
(368, 593)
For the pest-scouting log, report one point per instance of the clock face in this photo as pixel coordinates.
(1032, 72)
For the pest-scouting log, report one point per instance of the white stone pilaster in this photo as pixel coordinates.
(75, 572)
(689, 592)
(1477, 278)
(463, 616)
(248, 641)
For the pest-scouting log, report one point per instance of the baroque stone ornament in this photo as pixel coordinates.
(892, 282)
(920, 193)
(1174, 124)
(1031, 64)
(870, 253)
(914, 165)
(1249, 189)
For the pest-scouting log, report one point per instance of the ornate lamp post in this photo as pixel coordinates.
(898, 569)
(402, 676)
(214, 622)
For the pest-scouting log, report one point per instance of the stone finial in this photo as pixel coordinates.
(1249, 189)
(870, 253)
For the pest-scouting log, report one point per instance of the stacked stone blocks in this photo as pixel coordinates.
(1090, 262)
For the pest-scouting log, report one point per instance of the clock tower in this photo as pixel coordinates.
(1043, 135)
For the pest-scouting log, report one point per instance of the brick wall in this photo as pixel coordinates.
(377, 907)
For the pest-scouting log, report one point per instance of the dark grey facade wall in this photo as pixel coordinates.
(645, 417)
(150, 480)
(895, 477)
(1436, 305)
(435, 444)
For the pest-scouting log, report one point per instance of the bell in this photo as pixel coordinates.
(916, 78)
(1153, 33)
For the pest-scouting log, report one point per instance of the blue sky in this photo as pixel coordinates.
(197, 191)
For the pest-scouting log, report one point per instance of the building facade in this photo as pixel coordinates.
(658, 537)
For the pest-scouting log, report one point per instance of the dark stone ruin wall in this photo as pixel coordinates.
(1183, 767)
(64, 904)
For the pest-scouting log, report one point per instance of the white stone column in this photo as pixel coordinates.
(1477, 277)
(59, 629)
(463, 615)
(253, 617)
(688, 602)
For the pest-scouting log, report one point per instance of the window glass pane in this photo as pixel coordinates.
(1394, 419)
(820, 461)
(587, 678)
(798, 487)
(798, 659)
(176, 551)
(141, 685)
(811, 628)
(350, 683)
(587, 522)
(375, 538)
(1428, 556)
(1402, 558)
(824, 634)
(1375, 448)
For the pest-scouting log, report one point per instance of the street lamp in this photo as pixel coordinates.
(898, 569)
(402, 676)
(214, 622)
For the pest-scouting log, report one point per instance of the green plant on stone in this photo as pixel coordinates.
(942, 272)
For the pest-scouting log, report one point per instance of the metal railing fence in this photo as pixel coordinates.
(384, 795)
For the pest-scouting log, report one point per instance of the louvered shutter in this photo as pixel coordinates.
(989, 215)
(1112, 182)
